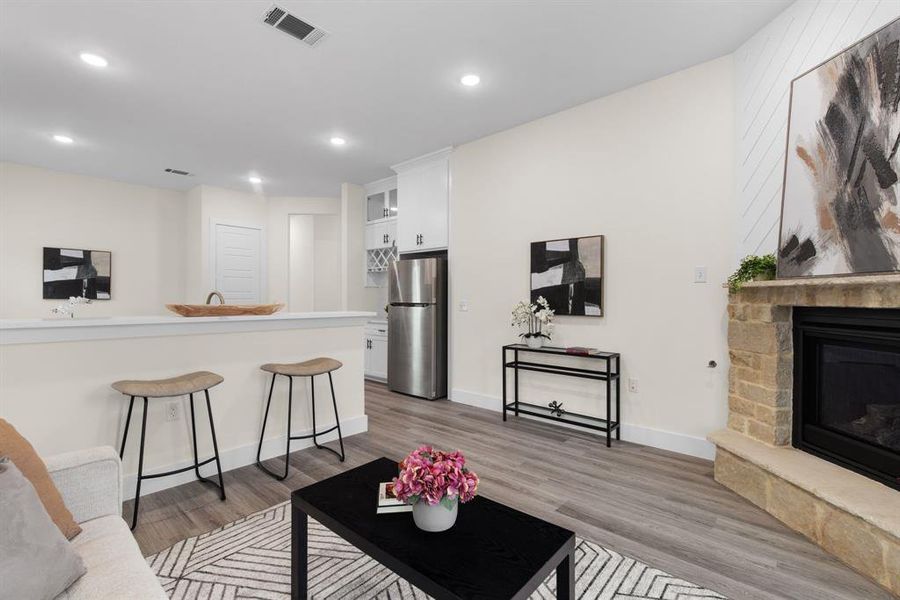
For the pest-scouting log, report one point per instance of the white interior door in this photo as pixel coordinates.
(238, 263)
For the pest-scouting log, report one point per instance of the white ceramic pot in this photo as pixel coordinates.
(534, 341)
(434, 517)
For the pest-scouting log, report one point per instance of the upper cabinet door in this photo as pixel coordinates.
(375, 207)
(424, 192)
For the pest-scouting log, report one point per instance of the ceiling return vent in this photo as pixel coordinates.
(282, 20)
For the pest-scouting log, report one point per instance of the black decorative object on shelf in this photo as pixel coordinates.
(556, 408)
(609, 374)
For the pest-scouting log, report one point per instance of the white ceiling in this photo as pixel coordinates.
(204, 86)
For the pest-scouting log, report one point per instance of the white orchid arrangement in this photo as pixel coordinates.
(537, 317)
(68, 308)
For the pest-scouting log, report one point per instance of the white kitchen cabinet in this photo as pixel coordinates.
(381, 200)
(381, 235)
(376, 351)
(423, 186)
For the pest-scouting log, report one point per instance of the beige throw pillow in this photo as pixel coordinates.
(36, 561)
(17, 448)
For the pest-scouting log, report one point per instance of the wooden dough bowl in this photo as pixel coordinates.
(223, 310)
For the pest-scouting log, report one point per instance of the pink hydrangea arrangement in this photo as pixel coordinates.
(434, 476)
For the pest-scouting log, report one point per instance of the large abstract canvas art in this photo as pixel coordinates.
(840, 212)
(569, 274)
(69, 272)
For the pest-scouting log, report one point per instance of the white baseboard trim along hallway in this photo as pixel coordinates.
(235, 458)
(647, 436)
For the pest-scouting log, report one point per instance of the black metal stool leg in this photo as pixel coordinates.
(287, 443)
(337, 419)
(140, 475)
(194, 437)
(312, 391)
(262, 434)
(125, 433)
(212, 429)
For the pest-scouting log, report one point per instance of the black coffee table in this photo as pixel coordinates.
(492, 552)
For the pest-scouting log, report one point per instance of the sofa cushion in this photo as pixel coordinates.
(115, 567)
(36, 561)
(22, 453)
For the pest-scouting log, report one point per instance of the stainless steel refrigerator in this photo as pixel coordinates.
(417, 327)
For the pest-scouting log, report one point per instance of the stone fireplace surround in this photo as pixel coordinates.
(850, 516)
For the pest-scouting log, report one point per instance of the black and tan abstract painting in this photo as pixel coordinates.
(840, 212)
(71, 272)
(569, 274)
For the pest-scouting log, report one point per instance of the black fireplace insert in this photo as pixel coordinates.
(847, 388)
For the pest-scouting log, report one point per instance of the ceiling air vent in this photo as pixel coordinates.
(280, 19)
(178, 172)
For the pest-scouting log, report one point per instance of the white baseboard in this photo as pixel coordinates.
(241, 456)
(647, 436)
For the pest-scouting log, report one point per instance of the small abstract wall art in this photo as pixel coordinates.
(569, 274)
(69, 272)
(840, 212)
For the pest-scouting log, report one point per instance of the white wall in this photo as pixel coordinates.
(358, 297)
(327, 262)
(223, 206)
(142, 226)
(159, 239)
(280, 209)
(651, 168)
(801, 37)
(301, 297)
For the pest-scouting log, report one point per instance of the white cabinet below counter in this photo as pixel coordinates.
(423, 186)
(376, 350)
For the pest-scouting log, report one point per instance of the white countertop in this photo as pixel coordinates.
(28, 331)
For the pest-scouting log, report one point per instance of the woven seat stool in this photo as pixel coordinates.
(183, 385)
(309, 368)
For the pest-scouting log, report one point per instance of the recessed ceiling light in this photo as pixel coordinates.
(470, 80)
(93, 59)
(254, 179)
(338, 141)
(63, 139)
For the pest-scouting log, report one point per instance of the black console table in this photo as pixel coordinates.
(554, 411)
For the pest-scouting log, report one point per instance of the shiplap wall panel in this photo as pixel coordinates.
(801, 37)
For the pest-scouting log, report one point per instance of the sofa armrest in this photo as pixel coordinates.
(90, 482)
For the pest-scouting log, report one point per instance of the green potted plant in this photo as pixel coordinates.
(752, 268)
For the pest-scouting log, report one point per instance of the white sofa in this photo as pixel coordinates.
(90, 482)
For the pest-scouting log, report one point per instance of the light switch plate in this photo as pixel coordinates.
(699, 274)
(464, 306)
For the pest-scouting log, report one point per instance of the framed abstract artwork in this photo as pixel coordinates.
(840, 211)
(569, 274)
(70, 272)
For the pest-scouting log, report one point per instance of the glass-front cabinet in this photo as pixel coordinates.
(381, 200)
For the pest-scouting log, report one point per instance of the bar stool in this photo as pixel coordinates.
(309, 368)
(183, 385)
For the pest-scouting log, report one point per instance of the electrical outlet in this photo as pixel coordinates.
(699, 274)
(172, 411)
(632, 385)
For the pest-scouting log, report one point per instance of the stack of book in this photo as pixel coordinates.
(579, 351)
(388, 502)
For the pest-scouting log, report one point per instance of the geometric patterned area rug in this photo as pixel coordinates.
(251, 558)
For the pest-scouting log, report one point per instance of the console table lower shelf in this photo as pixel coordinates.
(554, 411)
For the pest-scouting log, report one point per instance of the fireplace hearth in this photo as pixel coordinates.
(813, 393)
(847, 388)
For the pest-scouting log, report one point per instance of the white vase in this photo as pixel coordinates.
(434, 517)
(535, 342)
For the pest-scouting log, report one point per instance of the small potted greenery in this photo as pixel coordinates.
(752, 268)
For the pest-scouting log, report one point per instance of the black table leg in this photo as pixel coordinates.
(503, 372)
(516, 380)
(565, 578)
(298, 554)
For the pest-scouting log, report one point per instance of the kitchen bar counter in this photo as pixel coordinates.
(55, 377)
(26, 331)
